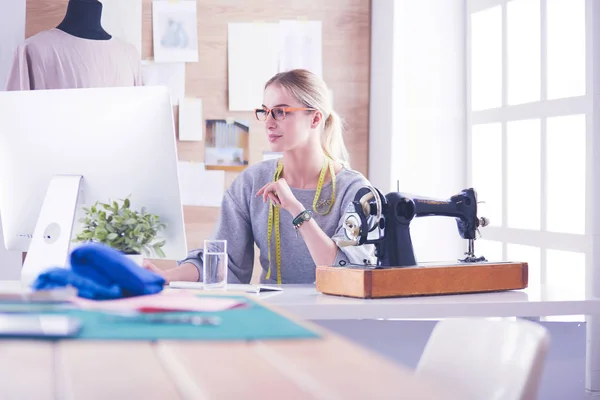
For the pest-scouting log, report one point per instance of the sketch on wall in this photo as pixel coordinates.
(227, 144)
(175, 31)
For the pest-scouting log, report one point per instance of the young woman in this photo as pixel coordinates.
(293, 207)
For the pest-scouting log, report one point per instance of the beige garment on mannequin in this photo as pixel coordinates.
(54, 59)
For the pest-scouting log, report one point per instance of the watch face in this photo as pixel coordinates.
(306, 216)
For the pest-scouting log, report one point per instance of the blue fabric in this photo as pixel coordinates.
(100, 272)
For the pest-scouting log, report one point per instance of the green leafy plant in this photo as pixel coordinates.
(118, 226)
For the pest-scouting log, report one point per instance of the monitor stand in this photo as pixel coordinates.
(51, 240)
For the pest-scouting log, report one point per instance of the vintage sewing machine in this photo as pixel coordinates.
(384, 221)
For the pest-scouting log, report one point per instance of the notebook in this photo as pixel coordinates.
(231, 287)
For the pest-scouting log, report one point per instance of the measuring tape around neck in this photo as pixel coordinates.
(274, 212)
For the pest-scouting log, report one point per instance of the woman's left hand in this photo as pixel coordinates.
(280, 194)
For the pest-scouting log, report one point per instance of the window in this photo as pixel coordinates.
(528, 108)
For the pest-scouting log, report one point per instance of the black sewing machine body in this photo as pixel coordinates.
(385, 222)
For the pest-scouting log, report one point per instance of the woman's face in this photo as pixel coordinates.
(297, 126)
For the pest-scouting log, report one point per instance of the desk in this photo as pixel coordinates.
(326, 368)
(331, 368)
(537, 301)
(305, 302)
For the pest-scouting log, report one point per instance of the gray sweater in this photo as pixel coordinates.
(243, 221)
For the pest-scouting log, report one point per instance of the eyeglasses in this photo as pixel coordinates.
(278, 112)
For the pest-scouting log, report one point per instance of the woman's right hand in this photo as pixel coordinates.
(146, 264)
(184, 272)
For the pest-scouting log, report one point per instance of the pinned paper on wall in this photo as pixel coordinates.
(122, 19)
(171, 75)
(190, 119)
(252, 60)
(271, 155)
(175, 31)
(300, 46)
(200, 187)
(227, 144)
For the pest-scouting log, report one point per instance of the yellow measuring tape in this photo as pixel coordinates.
(274, 212)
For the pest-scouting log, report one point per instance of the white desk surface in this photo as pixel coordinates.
(305, 302)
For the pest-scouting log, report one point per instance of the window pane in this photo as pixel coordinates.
(523, 174)
(490, 249)
(566, 48)
(529, 254)
(523, 51)
(486, 170)
(566, 159)
(486, 59)
(565, 270)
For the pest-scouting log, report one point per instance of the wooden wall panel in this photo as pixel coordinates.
(346, 60)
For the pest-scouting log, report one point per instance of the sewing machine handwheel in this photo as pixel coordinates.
(351, 230)
(371, 203)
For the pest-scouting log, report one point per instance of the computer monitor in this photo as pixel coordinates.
(61, 150)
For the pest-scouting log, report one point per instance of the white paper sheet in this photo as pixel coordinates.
(190, 119)
(123, 19)
(300, 46)
(231, 287)
(171, 75)
(252, 61)
(200, 187)
(166, 301)
(175, 31)
(12, 33)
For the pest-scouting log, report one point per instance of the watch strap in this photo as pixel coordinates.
(301, 218)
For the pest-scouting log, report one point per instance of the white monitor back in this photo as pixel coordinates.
(121, 140)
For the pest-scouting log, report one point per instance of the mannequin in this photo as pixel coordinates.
(78, 53)
(83, 20)
(53, 60)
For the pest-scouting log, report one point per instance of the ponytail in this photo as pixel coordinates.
(332, 140)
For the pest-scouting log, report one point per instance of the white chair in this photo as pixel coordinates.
(482, 359)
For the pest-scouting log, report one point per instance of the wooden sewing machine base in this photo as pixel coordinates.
(424, 279)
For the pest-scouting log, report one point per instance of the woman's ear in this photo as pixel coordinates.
(316, 120)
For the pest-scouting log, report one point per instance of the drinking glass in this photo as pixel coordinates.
(214, 271)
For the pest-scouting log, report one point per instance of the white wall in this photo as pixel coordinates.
(12, 32)
(381, 107)
(417, 115)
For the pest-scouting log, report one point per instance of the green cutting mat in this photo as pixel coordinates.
(252, 322)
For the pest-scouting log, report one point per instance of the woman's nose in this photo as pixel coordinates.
(271, 123)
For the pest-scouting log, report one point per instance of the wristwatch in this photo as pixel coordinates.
(301, 218)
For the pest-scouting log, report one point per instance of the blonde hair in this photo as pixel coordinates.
(312, 92)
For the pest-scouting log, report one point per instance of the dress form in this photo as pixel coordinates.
(83, 19)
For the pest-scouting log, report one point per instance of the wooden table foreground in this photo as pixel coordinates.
(329, 367)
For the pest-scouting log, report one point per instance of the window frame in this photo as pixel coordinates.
(542, 109)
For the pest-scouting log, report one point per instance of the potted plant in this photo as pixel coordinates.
(118, 226)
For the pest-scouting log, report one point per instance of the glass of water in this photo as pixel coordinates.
(214, 271)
